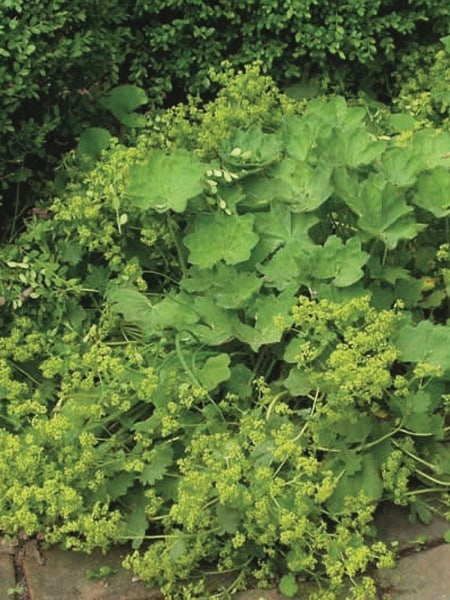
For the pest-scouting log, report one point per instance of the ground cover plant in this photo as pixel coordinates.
(58, 60)
(228, 344)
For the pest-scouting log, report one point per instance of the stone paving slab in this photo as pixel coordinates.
(274, 594)
(260, 595)
(7, 575)
(63, 577)
(393, 524)
(423, 575)
(420, 576)
(59, 575)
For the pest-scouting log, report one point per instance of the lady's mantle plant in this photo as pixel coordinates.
(229, 349)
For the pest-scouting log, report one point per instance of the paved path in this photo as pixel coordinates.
(422, 572)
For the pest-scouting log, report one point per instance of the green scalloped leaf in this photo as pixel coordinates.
(383, 212)
(352, 147)
(401, 167)
(433, 147)
(309, 186)
(228, 519)
(161, 459)
(297, 382)
(233, 289)
(221, 237)
(166, 182)
(299, 137)
(290, 265)
(229, 287)
(254, 146)
(271, 315)
(215, 324)
(433, 192)
(132, 304)
(122, 101)
(340, 262)
(175, 311)
(214, 371)
(402, 122)
(425, 342)
(355, 479)
(92, 141)
(137, 521)
(288, 585)
(280, 225)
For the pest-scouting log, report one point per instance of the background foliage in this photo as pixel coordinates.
(424, 90)
(58, 58)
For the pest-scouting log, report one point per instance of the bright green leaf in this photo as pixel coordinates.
(118, 485)
(166, 182)
(221, 237)
(229, 287)
(331, 113)
(433, 192)
(340, 262)
(162, 458)
(214, 371)
(383, 212)
(432, 145)
(262, 189)
(178, 547)
(271, 315)
(425, 342)
(288, 586)
(279, 225)
(240, 381)
(340, 294)
(137, 522)
(346, 187)
(402, 122)
(175, 311)
(425, 424)
(215, 323)
(241, 287)
(351, 148)
(132, 304)
(401, 166)
(256, 147)
(309, 186)
(72, 252)
(409, 290)
(352, 482)
(298, 136)
(290, 265)
(298, 382)
(228, 518)
(92, 141)
(122, 101)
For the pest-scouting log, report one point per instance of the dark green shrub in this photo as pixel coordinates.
(58, 58)
(287, 37)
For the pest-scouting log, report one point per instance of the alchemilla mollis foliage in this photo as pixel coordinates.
(229, 343)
